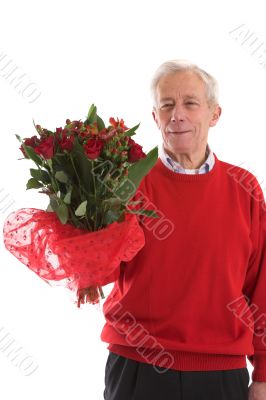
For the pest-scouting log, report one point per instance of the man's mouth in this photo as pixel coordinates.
(179, 133)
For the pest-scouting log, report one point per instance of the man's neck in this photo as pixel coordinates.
(189, 161)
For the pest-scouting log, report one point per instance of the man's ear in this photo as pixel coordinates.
(216, 113)
(154, 114)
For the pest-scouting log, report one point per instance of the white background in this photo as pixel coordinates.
(105, 52)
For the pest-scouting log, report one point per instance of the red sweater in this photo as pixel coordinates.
(194, 297)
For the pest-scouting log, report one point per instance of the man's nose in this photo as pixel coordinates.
(177, 114)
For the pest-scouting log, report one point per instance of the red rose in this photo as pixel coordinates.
(46, 147)
(93, 148)
(135, 152)
(65, 142)
(32, 142)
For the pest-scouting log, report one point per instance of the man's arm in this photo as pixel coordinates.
(255, 285)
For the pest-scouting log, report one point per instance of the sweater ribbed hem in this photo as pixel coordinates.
(181, 360)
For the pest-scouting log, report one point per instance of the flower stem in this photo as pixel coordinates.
(101, 292)
(95, 197)
(81, 197)
(71, 158)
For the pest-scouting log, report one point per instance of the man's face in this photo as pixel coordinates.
(183, 114)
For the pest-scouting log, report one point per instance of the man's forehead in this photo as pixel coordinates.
(189, 83)
(180, 85)
(184, 96)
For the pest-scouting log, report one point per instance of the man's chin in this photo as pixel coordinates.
(173, 150)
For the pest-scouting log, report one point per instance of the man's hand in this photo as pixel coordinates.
(257, 391)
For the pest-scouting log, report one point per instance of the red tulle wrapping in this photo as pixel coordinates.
(76, 257)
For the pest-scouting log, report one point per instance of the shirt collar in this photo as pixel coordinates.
(177, 167)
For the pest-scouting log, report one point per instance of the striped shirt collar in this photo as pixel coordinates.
(177, 167)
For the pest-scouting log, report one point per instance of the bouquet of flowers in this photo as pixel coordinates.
(90, 173)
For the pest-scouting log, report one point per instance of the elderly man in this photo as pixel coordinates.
(187, 310)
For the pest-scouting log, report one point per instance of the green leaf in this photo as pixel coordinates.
(61, 176)
(148, 213)
(35, 125)
(33, 184)
(32, 155)
(54, 202)
(139, 169)
(136, 173)
(81, 210)
(83, 167)
(58, 206)
(92, 116)
(111, 216)
(40, 175)
(49, 208)
(62, 213)
(49, 163)
(112, 201)
(100, 123)
(18, 137)
(131, 132)
(67, 198)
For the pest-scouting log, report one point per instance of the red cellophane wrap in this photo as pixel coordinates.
(61, 252)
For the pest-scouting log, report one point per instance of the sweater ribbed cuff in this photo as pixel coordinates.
(259, 372)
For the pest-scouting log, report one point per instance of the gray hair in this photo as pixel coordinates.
(172, 66)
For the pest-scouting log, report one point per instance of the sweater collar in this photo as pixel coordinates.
(177, 167)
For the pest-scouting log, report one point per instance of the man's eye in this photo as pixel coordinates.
(167, 105)
(191, 102)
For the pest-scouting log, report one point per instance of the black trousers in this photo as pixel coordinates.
(127, 379)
